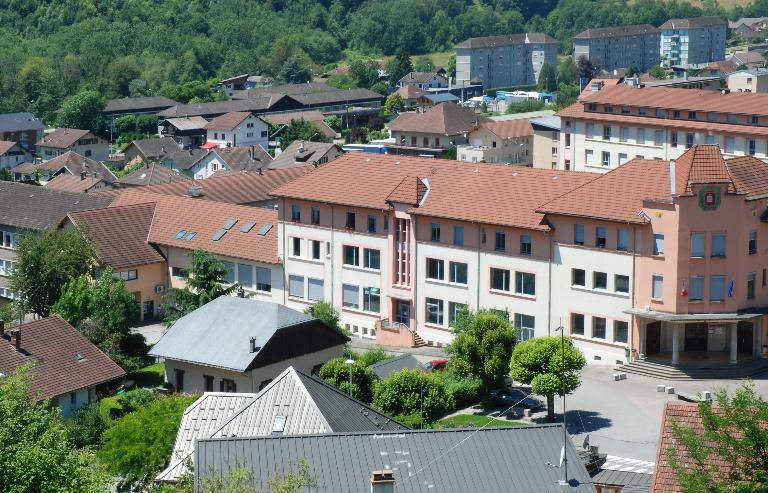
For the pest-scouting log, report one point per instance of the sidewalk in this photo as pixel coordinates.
(358, 343)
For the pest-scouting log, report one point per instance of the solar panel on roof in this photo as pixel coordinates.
(265, 229)
(230, 222)
(247, 227)
(190, 235)
(219, 234)
(180, 234)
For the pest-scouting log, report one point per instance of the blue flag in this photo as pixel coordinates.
(730, 289)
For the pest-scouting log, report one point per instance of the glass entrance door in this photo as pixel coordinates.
(402, 312)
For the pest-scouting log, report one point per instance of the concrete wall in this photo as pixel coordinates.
(504, 66)
(746, 82)
(250, 132)
(546, 148)
(618, 52)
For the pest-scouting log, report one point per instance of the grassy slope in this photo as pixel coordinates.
(474, 420)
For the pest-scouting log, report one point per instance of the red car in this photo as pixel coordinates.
(435, 365)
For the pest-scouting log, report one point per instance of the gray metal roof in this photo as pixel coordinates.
(513, 460)
(551, 122)
(142, 103)
(383, 369)
(38, 208)
(11, 122)
(309, 405)
(623, 478)
(218, 334)
(442, 97)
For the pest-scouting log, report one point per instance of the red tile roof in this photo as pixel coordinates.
(510, 129)
(444, 119)
(205, 218)
(6, 146)
(410, 191)
(120, 234)
(747, 103)
(485, 193)
(75, 164)
(665, 477)
(62, 137)
(243, 187)
(64, 360)
(73, 183)
(153, 174)
(699, 165)
(749, 175)
(228, 121)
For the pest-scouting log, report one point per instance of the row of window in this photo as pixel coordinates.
(525, 282)
(601, 237)
(315, 288)
(457, 271)
(8, 239)
(371, 298)
(350, 219)
(676, 114)
(599, 328)
(243, 274)
(600, 280)
(371, 257)
(717, 244)
(6, 266)
(7, 293)
(500, 238)
(126, 275)
(435, 315)
(717, 287)
(314, 248)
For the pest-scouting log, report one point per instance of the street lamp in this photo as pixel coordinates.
(561, 329)
(349, 363)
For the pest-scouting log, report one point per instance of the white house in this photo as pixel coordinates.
(239, 128)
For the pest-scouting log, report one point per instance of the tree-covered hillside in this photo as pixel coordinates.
(50, 49)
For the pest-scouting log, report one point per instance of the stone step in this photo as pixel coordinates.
(418, 341)
(696, 372)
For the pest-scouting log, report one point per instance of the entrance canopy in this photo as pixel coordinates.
(696, 317)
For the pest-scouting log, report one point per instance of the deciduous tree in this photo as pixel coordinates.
(399, 66)
(82, 111)
(336, 372)
(551, 365)
(295, 70)
(411, 393)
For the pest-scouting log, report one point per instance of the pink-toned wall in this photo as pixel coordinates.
(149, 276)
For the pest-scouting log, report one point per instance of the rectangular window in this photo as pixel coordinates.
(577, 324)
(658, 244)
(245, 275)
(295, 212)
(752, 145)
(676, 114)
(434, 311)
(525, 244)
(525, 325)
(229, 277)
(657, 286)
(458, 235)
(622, 239)
(600, 237)
(732, 119)
(599, 280)
(752, 118)
(717, 288)
(208, 383)
(598, 327)
(296, 286)
(501, 241)
(578, 234)
(606, 132)
(752, 246)
(351, 296)
(315, 215)
(435, 269)
(750, 285)
(371, 300)
(453, 310)
(578, 277)
(621, 283)
(371, 259)
(729, 144)
(264, 279)
(688, 140)
(691, 115)
(718, 244)
(371, 223)
(314, 289)
(525, 283)
(350, 224)
(658, 137)
(711, 117)
(227, 385)
(673, 138)
(500, 279)
(622, 158)
(696, 292)
(179, 374)
(458, 272)
(698, 244)
(620, 331)
(590, 130)
(640, 136)
(296, 247)
(623, 134)
(316, 249)
(589, 156)
(435, 232)
(351, 255)
(606, 158)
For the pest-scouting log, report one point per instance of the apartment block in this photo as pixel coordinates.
(504, 61)
(619, 47)
(630, 262)
(608, 127)
(692, 41)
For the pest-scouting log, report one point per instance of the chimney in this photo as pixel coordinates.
(253, 345)
(17, 339)
(301, 147)
(382, 481)
(162, 149)
(672, 177)
(83, 174)
(260, 171)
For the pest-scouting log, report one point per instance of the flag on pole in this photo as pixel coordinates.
(730, 289)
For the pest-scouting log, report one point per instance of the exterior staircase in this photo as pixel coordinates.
(747, 369)
(418, 341)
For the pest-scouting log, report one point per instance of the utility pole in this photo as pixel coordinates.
(562, 383)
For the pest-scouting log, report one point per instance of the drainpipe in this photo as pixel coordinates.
(632, 295)
(477, 291)
(549, 288)
(331, 252)
(415, 276)
(280, 211)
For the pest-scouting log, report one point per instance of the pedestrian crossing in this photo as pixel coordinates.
(624, 464)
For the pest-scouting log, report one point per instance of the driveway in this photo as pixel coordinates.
(152, 332)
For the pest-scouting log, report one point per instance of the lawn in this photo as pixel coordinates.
(475, 421)
(147, 377)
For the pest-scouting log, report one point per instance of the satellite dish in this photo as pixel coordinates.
(585, 445)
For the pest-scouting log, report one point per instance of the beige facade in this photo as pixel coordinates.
(486, 147)
(748, 81)
(546, 147)
(148, 284)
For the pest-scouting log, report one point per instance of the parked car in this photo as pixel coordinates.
(435, 365)
(515, 397)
